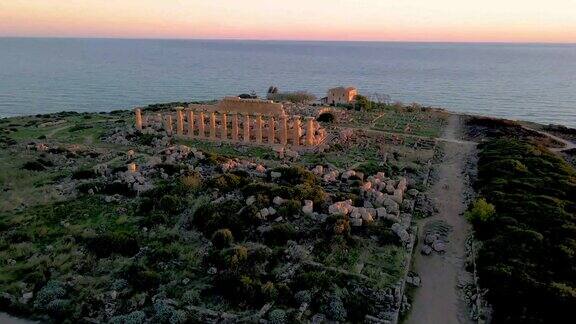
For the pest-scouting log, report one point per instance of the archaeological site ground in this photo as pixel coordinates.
(247, 210)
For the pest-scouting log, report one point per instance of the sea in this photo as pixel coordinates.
(534, 82)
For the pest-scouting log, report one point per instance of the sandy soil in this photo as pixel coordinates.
(438, 299)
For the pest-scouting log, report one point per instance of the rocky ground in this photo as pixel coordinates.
(105, 224)
(102, 223)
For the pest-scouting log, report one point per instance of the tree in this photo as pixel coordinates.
(362, 103)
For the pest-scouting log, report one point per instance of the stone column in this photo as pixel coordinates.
(201, 125)
(224, 120)
(132, 167)
(258, 128)
(235, 127)
(180, 121)
(297, 131)
(310, 131)
(283, 129)
(190, 118)
(169, 124)
(246, 128)
(138, 115)
(271, 130)
(212, 125)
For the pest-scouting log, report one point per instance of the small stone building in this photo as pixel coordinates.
(341, 95)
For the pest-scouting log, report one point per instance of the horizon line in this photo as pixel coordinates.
(289, 40)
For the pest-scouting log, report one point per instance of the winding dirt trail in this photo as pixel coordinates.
(438, 300)
(568, 145)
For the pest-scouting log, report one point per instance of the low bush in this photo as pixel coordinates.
(290, 208)
(222, 238)
(104, 245)
(170, 203)
(171, 169)
(296, 175)
(83, 174)
(147, 139)
(480, 212)
(192, 181)
(227, 182)
(209, 218)
(280, 234)
(141, 278)
(278, 316)
(33, 166)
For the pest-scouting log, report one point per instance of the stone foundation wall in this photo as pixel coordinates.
(250, 106)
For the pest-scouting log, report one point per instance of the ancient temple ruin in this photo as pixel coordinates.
(249, 121)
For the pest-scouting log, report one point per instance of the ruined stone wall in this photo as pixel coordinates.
(243, 106)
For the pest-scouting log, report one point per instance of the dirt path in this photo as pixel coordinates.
(438, 300)
(568, 145)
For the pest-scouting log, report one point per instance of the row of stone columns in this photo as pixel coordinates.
(284, 133)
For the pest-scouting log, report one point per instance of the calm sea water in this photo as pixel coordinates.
(530, 82)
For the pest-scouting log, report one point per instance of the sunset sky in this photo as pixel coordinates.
(386, 20)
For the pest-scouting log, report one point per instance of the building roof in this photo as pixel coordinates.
(346, 89)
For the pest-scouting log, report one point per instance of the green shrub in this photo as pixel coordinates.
(104, 245)
(136, 317)
(309, 192)
(296, 175)
(280, 234)
(227, 182)
(209, 218)
(334, 309)
(33, 166)
(83, 174)
(314, 279)
(290, 208)
(214, 159)
(222, 238)
(337, 225)
(118, 188)
(170, 204)
(145, 206)
(141, 278)
(481, 211)
(53, 290)
(146, 139)
(171, 169)
(165, 313)
(269, 291)
(156, 217)
(192, 181)
(278, 316)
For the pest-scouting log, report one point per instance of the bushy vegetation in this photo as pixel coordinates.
(527, 225)
(294, 97)
(480, 212)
